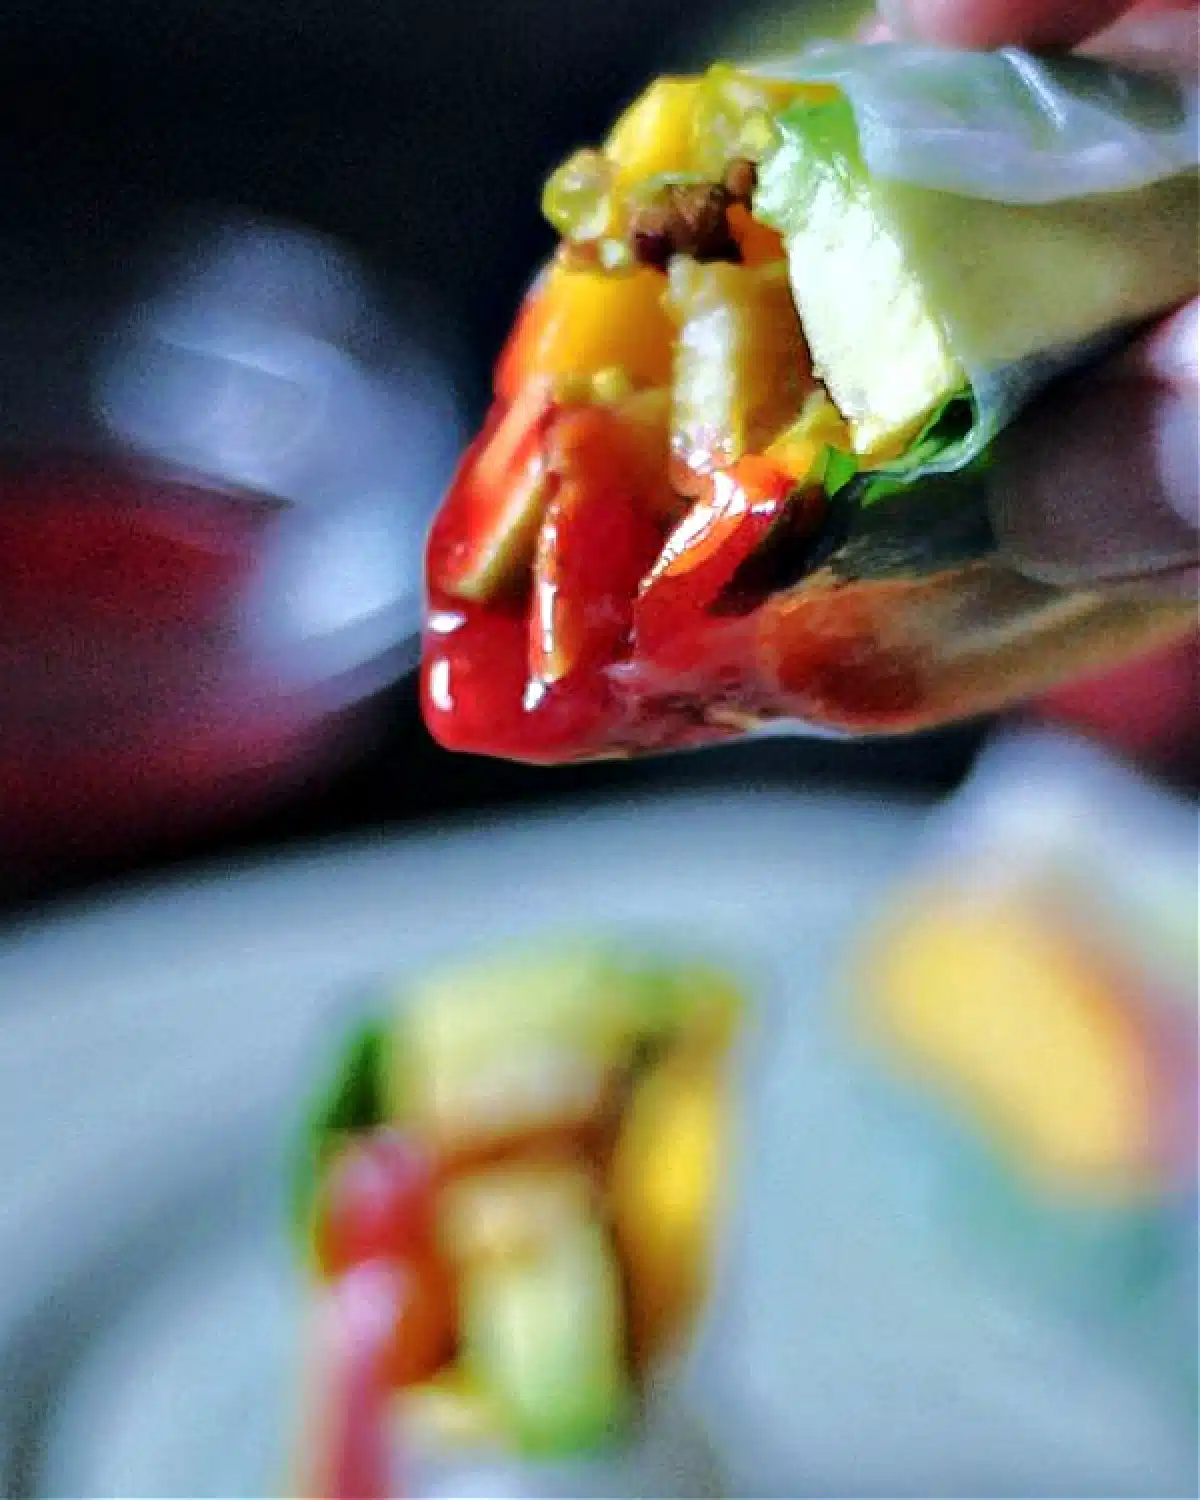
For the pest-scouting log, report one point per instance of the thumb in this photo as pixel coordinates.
(1100, 481)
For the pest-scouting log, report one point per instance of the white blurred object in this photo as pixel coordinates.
(266, 362)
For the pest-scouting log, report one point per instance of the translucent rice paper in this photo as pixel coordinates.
(1007, 126)
(1017, 130)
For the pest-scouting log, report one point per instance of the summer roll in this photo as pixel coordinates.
(736, 468)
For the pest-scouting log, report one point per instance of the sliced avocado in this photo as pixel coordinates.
(585, 996)
(470, 1011)
(498, 1050)
(876, 344)
(902, 289)
(544, 1336)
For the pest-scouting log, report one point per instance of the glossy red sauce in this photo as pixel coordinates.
(628, 639)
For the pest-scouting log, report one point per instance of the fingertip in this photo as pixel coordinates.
(998, 23)
(1100, 485)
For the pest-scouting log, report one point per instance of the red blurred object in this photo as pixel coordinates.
(132, 702)
(111, 550)
(348, 1447)
(533, 678)
(377, 1203)
(478, 684)
(627, 628)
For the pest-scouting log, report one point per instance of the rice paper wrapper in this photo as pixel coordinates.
(1006, 126)
(1048, 204)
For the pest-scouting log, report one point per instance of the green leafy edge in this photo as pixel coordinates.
(350, 1100)
(840, 468)
(945, 429)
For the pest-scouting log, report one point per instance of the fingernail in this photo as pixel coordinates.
(1101, 485)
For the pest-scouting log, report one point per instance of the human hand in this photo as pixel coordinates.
(1101, 482)
(1104, 482)
(1162, 30)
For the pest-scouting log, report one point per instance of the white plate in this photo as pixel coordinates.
(152, 1053)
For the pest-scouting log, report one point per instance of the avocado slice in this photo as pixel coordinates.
(500, 1051)
(544, 1336)
(905, 293)
(876, 343)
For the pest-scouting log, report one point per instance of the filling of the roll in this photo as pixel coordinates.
(740, 348)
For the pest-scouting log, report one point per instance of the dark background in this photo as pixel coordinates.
(417, 133)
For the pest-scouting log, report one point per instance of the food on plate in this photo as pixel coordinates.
(735, 470)
(549, 1248)
(508, 1202)
(1029, 1002)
